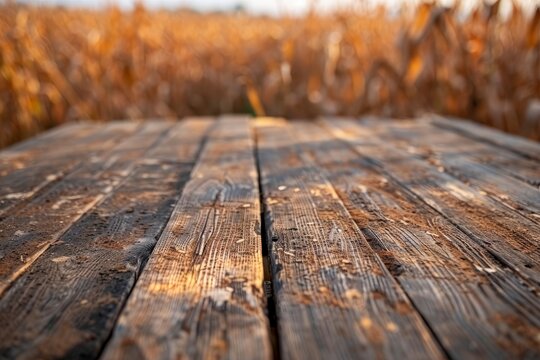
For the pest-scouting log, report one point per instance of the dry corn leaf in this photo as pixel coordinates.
(414, 68)
(533, 33)
(255, 100)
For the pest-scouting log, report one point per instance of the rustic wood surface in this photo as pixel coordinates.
(327, 279)
(239, 238)
(201, 293)
(27, 169)
(93, 266)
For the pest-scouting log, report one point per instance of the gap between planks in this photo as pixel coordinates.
(286, 260)
(200, 295)
(508, 236)
(96, 262)
(423, 251)
(327, 279)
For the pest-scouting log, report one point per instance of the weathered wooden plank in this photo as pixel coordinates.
(508, 236)
(26, 173)
(200, 295)
(519, 145)
(54, 144)
(499, 159)
(461, 158)
(25, 234)
(335, 297)
(66, 304)
(42, 141)
(476, 307)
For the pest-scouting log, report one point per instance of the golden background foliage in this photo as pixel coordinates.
(58, 65)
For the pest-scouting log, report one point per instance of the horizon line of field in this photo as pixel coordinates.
(273, 132)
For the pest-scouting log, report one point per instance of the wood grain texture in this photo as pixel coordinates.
(463, 159)
(66, 304)
(28, 232)
(500, 160)
(509, 237)
(200, 295)
(335, 297)
(30, 168)
(40, 144)
(476, 307)
(518, 145)
(414, 239)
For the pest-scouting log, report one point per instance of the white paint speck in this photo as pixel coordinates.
(60, 259)
(487, 270)
(59, 203)
(16, 195)
(220, 296)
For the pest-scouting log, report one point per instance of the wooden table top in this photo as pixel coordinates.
(239, 238)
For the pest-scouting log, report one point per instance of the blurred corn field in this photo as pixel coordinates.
(58, 65)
